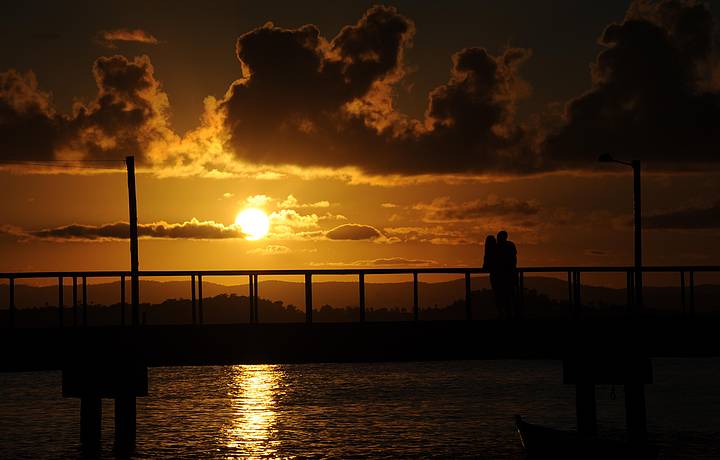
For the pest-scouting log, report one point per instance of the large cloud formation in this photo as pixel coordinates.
(129, 116)
(304, 103)
(308, 101)
(655, 91)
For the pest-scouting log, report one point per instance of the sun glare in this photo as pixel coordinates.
(253, 222)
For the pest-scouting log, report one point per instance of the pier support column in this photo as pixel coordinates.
(635, 412)
(586, 409)
(121, 380)
(125, 422)
(90, 421)
(631, 371)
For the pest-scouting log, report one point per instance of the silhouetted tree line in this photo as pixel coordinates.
(232, 308)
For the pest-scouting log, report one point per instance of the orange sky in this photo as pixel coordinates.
(365, 163)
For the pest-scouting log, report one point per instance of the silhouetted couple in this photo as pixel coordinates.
(501, 262)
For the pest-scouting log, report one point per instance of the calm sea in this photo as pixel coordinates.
(391, 410)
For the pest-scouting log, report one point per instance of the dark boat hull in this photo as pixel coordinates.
(542, 442)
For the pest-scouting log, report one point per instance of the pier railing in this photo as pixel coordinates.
(685, 274)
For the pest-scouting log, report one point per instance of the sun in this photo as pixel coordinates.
(253, 222)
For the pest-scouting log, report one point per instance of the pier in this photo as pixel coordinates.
(112, 361)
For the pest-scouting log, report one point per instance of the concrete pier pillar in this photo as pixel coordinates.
(631, 371)
(120, 380)
(586, 409)
(90, 421)
(125, 423)
(635, 412)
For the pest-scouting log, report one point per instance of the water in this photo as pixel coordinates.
(390, 410)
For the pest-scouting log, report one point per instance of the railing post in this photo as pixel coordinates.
(578, 302)
(361, 283)
(521, 294)
(251, 294)
(308, 298)
(692, 292)
(416, 300)
(122, 300)
(570, 279)
(11, 306)
(468, 297)
(61, 306)
(630, 283)
(74, 300)
(256, 313)
(200, 299)
(84, 291)
(682, 292)
(192, 297)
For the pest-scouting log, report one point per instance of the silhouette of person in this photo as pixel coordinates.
(506, 278)
(490, 265)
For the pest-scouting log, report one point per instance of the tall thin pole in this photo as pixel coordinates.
(134, 263)
(637, 214)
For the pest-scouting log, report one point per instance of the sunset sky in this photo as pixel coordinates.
(374, 135)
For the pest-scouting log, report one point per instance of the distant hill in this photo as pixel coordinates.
(345, 294)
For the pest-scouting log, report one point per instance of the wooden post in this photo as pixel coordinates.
(201, 316)
(84, 291)
(586, 409)
(122, 300)
(11, 307)
(361, 284)
(134, 262)
(74, 300)
(416, 300)
(308, 298)
(192, 296)
(61, 306)
(468, 297)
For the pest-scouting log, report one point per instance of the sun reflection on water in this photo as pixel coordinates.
(252, 432)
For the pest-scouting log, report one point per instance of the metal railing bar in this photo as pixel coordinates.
(368, 271)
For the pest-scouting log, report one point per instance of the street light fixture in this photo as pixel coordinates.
(637, 214)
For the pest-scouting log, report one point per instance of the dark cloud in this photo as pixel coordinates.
(110, 38)
(129, 116)
(686, 219)
(445, 210)
(28, 126)
(193, 229)
(353, 232)
(306, 100)
(655, 92)
(330, 103)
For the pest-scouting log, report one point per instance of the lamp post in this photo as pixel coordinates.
(637, 216)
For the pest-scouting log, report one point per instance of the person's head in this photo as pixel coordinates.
(490, 241)
(502, 236)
